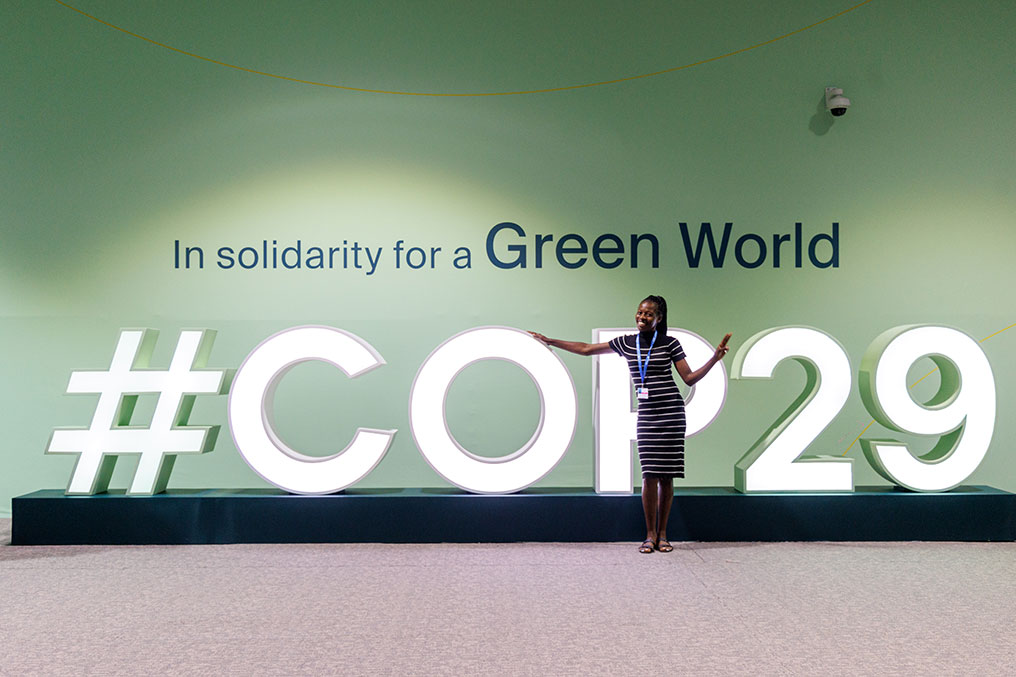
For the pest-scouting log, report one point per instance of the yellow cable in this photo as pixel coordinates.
(921, 379)
(529, 91)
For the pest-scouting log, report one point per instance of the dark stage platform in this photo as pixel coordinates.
(48, 517)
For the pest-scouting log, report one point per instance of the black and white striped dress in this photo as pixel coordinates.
(661, 421)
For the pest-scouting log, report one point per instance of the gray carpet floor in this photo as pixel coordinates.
(526, 608)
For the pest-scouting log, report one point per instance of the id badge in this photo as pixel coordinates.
(642, 393)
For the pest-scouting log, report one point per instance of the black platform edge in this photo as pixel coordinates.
(48, 517)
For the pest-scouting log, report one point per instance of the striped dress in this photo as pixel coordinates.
(661, 421)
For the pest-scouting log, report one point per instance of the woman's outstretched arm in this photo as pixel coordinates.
(692, 377)
(577, 347)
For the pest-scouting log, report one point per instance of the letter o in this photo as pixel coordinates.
(536, 457)
(251, 415)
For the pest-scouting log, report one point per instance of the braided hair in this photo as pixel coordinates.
(661, 310)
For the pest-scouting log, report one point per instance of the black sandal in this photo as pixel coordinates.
(646, 547)
(664, 546)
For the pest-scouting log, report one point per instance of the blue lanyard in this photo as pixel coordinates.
(643, 368)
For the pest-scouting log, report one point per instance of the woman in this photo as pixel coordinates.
(660, 406)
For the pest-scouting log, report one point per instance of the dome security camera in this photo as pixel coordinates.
(835, 102)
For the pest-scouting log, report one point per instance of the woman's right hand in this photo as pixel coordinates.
(540, 337)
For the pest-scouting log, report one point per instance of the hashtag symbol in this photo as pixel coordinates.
(110, 433)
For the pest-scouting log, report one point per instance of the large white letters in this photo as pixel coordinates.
(251, 411)
(534, 459)
(775, 461)
(961, 413)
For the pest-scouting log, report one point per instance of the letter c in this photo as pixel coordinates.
(251, 415)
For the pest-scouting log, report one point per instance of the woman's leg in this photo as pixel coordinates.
(666, 499)
(651, 505)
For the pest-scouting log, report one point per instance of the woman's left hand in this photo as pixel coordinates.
(722, 349)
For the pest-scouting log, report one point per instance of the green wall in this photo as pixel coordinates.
(112, 148)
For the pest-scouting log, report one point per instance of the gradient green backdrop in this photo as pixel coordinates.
(111, 148)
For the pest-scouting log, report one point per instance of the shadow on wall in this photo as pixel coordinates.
(822, 120)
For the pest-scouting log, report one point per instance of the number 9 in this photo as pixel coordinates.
(962, 412)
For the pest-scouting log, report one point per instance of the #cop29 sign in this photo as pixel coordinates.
(961, 414)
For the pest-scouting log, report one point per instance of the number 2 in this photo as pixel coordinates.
(774, 462)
